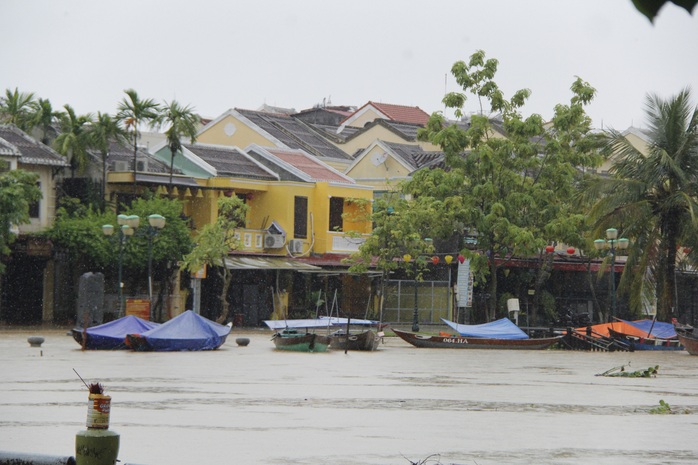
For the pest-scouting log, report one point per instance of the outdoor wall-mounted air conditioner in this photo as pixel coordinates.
(295, 246)
(274, 241)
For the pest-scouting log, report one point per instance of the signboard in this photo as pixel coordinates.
(201, 274)
(465, 284)
(139, 308)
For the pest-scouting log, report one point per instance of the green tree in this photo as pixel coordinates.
(43, 119)
(73, 141)
(18, 190)
(653, 198)
(650, 8)
(102, 132)
(16, 108)
(78, 231)
(214, 243)
(398, 231)
(511, 179)
(181, 121)
(132, 113)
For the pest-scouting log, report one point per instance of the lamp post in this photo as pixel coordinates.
(155, 224)
(127, 227)
(612, 242)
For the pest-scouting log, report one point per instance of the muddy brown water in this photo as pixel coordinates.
(398, 405)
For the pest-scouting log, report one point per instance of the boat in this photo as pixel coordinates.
(295, 335)
(461, 342)
(187, 331)
(646, 343)
(347, 338)
(499, 334)
(689, 342)
(111, 335)
(643, 334)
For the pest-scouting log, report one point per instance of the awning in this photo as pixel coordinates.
(164, 179)
(267, 263)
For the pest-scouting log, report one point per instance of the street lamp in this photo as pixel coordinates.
(127, 228)
(156, 223)
(415, 315)
(612, 242)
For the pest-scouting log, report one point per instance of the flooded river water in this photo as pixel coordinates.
(399, 405)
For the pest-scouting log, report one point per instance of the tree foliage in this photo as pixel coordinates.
(215, 241)
(652, 199)
(182, 121)
(18, 190)
(511, 179)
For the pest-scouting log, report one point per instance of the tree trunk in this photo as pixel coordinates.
(225, 306)
(492, 303)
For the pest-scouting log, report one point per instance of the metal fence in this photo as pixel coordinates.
(433, 301)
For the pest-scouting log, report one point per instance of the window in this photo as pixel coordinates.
(336, 211)
(34, 208)
(300, 217)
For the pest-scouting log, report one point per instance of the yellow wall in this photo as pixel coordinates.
(380, 133)
(242, 137)
(382, 177)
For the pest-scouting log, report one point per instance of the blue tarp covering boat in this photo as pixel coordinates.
(656, 329)
(187, 331)
(503, 328)
(112, 335)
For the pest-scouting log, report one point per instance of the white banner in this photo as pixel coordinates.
(465, 284)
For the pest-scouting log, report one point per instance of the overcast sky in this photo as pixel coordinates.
(221, 54)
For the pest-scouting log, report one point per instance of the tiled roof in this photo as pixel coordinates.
(314, 169)
(414, 155)
(294, 134)
(402, 113)
(229, 161)
(121, 152)
(31, 151)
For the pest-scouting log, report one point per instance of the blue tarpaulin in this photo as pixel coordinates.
(112, 335)
(660, 329)
(503, 328)
(187, 331)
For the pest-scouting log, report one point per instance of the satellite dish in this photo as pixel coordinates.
(378, 158)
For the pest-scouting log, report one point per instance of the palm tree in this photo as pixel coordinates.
(73, 141)
(182, 121)
(16, 107)
(43, 118)
(653, 198)
(133, 112)
(102, 132)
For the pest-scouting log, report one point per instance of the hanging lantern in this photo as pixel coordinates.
(407, 257)
(461, 258)
(449, 259)
(549, 248)
(570, 250)
(435, 260)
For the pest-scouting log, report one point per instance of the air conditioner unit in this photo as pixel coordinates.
(120, 166)
(274, 241)
(295, 246)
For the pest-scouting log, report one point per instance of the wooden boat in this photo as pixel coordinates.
(689, 342)
(464, 342)
(185, 332)
(111, 335)
(645, 343)
(366, 339)
(297, 340)
(295, 335)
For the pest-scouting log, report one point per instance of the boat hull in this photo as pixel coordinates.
(361, 340)
(461, 342)
(637, 343)
(689, 343)
(296, 341)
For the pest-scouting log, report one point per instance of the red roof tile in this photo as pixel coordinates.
(308, 165)
(402, 113)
